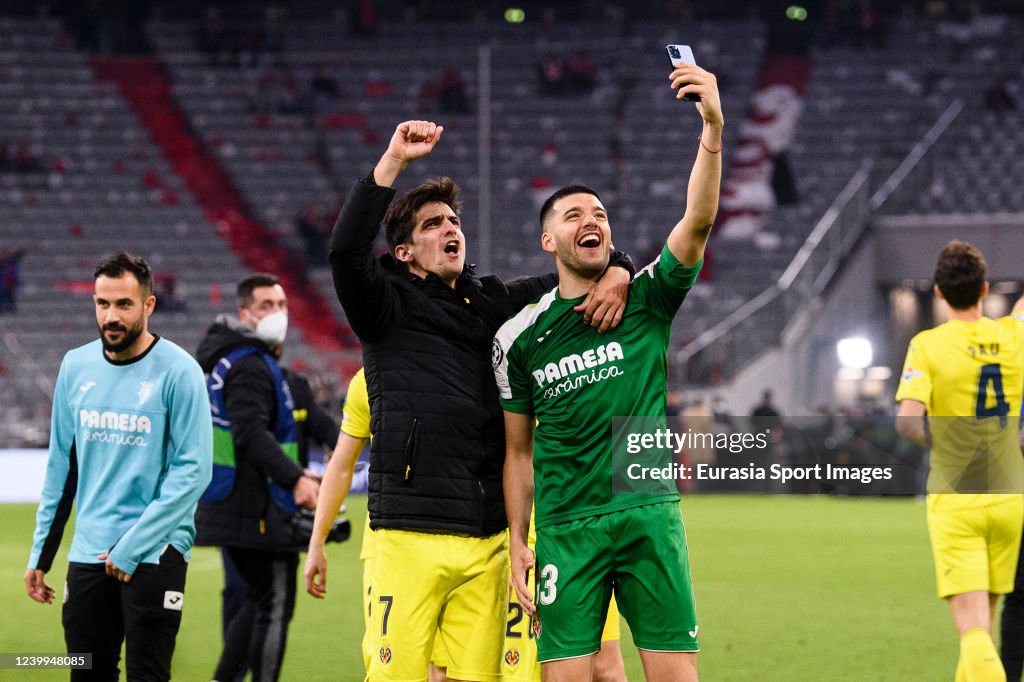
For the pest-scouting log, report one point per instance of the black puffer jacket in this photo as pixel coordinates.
(439, 446)
(248, 517)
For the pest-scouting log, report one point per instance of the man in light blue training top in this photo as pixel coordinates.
(131, 440)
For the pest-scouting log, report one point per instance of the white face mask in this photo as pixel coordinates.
(272, 328)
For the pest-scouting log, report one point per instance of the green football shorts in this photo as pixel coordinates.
(640, 553)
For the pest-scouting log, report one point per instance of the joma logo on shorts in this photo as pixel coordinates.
(118, 421)
(571, 364)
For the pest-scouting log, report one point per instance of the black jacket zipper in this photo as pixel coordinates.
(412, 449)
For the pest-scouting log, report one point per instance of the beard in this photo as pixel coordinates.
(587, 269)
(130, 335)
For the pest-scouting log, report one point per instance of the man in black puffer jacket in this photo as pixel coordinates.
(427, 323)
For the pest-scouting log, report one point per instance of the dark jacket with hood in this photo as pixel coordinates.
(248, 517)
(438, 445)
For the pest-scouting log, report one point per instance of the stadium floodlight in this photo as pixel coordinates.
(796, 13)
(855, 352)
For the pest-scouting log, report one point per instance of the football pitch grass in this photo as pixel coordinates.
(788, 588)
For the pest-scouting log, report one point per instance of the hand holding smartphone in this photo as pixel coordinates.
(682, 54)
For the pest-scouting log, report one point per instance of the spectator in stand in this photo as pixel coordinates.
(25, 161)
(209, 34)
(10, 278)
(166, 290)
(582, 74)
(766, 415)
(721, 413)
(278, 92)
(452, 97)
(697, 418)
(314, 226)
(552, 76)
(784, 180)
(364, 18)
(998, 97)
(325, 91)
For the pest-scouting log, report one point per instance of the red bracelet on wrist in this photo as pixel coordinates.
(700, 138)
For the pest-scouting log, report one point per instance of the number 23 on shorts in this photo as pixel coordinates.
(547, 589)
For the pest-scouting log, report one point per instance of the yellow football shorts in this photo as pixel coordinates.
(438, 657)
(519, 662)
(426, 587)
(976, 545)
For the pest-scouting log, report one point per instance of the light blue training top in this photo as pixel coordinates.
(132, 441)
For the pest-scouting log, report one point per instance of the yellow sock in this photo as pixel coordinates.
(979, 660)
(961, 675)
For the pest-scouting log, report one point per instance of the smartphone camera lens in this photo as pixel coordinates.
(674, 51)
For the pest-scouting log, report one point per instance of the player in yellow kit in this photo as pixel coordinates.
(520, 664)
(520, 653)
(355, 434)
(967, 375)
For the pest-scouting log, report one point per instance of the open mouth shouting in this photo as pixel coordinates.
(452, 247)
(589, 241)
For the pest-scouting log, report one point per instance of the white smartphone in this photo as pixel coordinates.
(682, 54)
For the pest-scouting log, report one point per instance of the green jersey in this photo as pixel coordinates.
(550, 364)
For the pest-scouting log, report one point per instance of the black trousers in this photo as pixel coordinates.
(258, 631)
(234, 600)
(1011, 626)
(100, 613)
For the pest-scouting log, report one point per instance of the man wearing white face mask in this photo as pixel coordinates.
(258, 481)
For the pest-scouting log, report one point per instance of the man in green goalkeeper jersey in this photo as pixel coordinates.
(573, 380)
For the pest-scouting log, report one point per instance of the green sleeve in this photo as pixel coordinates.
(663, 284)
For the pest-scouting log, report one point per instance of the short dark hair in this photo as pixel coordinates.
(123, 262)
(400, 220)
(549, 205)
(243, 293)
(960, 274)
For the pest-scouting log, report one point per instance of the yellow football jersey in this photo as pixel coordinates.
(355, 422)
(970, 377)
(356, 413)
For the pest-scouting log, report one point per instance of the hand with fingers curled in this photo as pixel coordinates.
(413, 140)
(605, 303)
(315, 571)
(687, 79)
(522, 562)
(36, 587)
(113, 570)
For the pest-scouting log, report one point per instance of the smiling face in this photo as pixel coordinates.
(576, 230)
(123, 308)
(436, 244)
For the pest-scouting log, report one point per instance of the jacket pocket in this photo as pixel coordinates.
(412, 451)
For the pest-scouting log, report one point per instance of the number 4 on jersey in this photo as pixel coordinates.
(992, 375)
